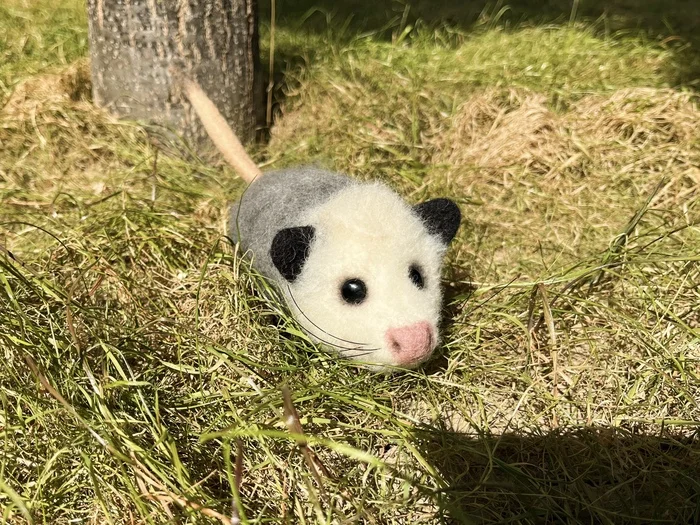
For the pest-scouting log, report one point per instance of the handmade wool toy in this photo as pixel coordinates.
(358, 266)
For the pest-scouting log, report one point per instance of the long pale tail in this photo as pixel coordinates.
(220, 132)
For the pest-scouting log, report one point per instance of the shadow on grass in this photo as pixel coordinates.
(675, 23)
(581, 476)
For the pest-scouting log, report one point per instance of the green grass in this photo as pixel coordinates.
(35, 38)
(140, 358)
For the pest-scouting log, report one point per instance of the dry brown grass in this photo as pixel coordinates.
(40, 92)
(560, 185)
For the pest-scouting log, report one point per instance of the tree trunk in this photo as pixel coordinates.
(136, 44)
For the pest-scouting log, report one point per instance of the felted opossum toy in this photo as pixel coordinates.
(358, 267)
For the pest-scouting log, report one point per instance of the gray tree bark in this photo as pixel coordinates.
(137, 47)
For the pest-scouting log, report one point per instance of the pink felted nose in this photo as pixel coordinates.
(410, 343)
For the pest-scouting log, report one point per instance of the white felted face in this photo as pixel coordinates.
(366, 235)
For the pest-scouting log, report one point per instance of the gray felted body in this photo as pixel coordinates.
(275, 201)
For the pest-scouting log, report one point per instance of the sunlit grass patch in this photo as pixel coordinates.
(36, 36)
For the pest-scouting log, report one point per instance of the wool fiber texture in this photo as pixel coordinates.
(278, 200)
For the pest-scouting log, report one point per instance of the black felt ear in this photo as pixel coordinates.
(441, 217)
(290, 249)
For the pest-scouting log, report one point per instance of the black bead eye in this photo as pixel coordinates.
(353, 291)
(414, 272)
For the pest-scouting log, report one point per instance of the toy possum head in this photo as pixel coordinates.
(362, 273)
